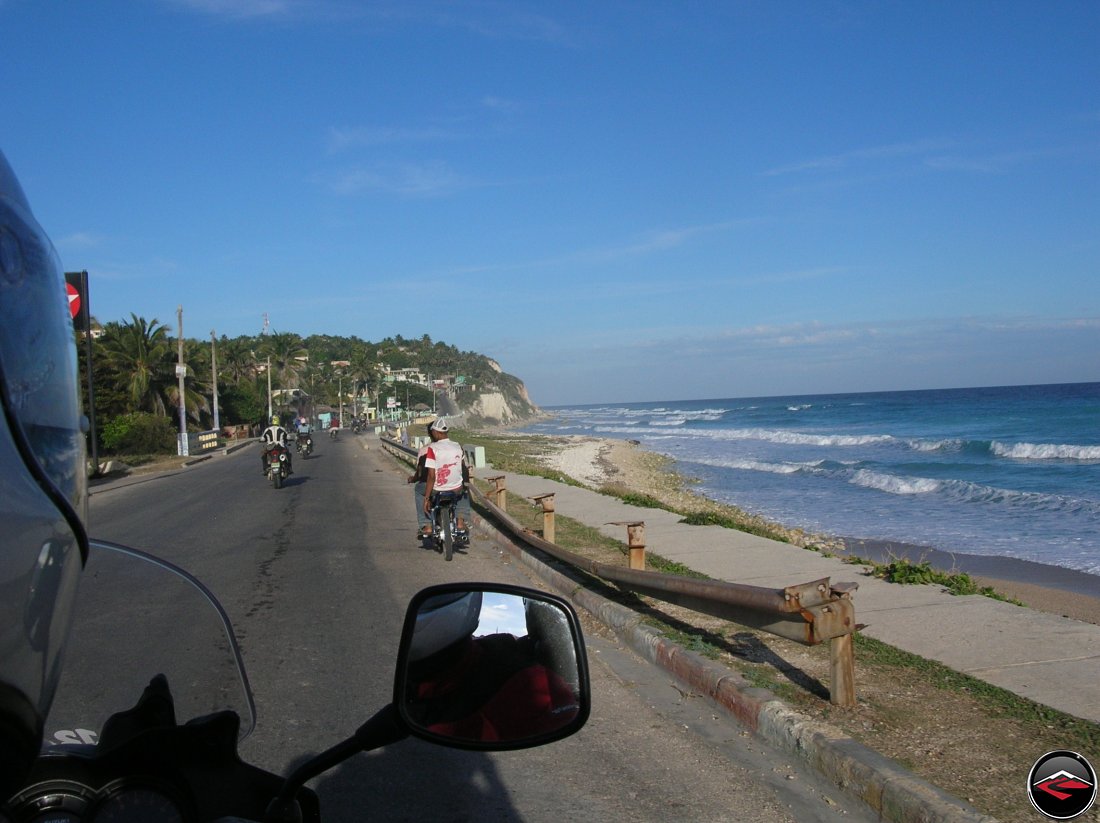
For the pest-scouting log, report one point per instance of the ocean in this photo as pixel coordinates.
(1005, 472)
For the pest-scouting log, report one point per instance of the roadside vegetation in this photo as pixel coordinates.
(138, 398)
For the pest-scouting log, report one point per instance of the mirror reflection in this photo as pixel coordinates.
(491, 667)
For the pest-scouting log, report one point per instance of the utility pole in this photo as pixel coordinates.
(214, 369)
(181, 373)
(269, 410)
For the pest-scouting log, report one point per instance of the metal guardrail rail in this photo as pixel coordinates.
(808, 613)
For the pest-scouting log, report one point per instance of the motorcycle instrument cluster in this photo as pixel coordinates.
(67, 801)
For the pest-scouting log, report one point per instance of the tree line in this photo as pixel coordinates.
(137, 396)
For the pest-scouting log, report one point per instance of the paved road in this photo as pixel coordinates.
(315, 577)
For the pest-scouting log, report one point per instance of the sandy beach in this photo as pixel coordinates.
(599, 462)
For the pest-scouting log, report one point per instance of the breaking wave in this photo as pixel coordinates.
(1044, 451)
(892, 484)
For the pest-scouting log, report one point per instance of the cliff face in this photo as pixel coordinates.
(491, 407)
(503, 404)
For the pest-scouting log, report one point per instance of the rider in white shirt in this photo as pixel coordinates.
(447, 471)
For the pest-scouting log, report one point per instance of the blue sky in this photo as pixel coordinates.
(615, 200)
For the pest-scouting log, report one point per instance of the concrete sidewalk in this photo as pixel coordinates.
(1046, 658)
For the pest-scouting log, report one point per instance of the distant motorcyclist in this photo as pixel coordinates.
(43, 501)
(305, 439)
(272, 435)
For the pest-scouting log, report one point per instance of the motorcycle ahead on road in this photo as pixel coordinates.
(304, 445)
(277, 459)
(445, 532)
(513, 675)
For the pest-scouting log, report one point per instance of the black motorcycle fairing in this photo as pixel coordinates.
(172, 754)
(146, 763)
(137, 616)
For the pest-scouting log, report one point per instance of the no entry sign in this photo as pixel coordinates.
(76, 286)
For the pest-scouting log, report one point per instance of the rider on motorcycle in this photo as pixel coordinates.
(447, 471)
(273, 434)
(43, 504)
(303, 427)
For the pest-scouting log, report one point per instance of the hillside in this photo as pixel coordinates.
(477, 385)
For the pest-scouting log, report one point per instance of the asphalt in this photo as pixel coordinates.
(1052, 660)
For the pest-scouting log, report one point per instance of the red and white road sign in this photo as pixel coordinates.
(74, 300)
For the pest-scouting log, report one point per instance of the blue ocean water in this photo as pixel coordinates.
(1010, 471)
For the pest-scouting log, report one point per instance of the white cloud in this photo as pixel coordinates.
(81, 239)
(847, 159)
(245, 9)
(406, 180)
(341, 139)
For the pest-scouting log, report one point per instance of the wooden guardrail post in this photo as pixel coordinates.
(635, 542)
(842, 662)
(499, 492)
(547, 501)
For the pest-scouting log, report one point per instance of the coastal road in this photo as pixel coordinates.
(315, 577)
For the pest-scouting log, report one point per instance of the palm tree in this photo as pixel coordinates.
(361, 371)
(288, 358)
(139, 355)
(141, 358)
(236, 360)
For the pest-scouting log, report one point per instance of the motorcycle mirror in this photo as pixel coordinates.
(481, 666)
(491, 667)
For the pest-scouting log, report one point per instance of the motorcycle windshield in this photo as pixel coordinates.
(137, 616)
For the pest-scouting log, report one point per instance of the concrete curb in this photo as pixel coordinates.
(895, 793)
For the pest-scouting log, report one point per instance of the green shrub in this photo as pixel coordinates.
(139, 433)
(242, 403)
(902, 571)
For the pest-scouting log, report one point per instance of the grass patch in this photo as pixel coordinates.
(654, 562)
(703, 518)
(692, 641)
(631, 498)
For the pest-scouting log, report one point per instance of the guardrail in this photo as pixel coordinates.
(808, 613)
